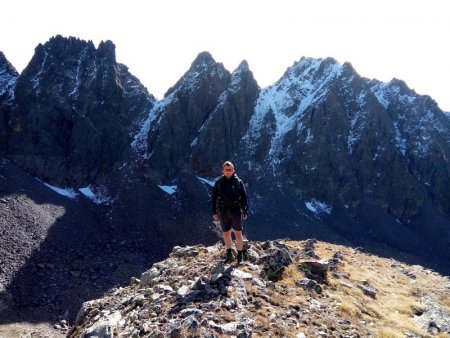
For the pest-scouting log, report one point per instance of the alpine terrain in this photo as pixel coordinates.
(99, 179)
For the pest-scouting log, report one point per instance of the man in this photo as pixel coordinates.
(229, 205)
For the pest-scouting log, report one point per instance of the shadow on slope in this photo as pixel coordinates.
(424, 241)
(58, 253)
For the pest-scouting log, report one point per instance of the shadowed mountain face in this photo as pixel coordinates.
(8, 78)
(73, 112)
(324, 152)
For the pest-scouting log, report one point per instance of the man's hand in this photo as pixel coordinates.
(243, 216)
(216, 217)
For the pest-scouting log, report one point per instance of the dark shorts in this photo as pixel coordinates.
(231, 219)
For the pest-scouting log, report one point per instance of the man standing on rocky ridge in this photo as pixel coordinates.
(229, 205)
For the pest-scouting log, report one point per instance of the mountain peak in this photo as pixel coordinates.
(311, 68)
(204, 66)
(107, 49)
(6, 66)
(203, 60)
(398, 83)
(309, 61)
(243, 66)
(61, 46)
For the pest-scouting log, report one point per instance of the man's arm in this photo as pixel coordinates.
(214, 196)
(243, 198)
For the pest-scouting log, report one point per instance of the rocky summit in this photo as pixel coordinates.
(283, 289)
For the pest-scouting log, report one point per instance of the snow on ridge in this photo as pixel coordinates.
(8, 77)
(396, 88)
(382, 93)
(235, 81)
(414, 130)
(236, 77)
(413, 126)
(191, 78)
(302, 85)
(139, 143)
(7, 84)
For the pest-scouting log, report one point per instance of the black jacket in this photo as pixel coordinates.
(229, 194)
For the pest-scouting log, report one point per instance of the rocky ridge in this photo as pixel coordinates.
(284, 289)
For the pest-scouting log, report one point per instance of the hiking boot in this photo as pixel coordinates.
(240, 257)
(229, 257)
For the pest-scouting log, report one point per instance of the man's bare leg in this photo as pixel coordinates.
(227, 239)
(239, 240)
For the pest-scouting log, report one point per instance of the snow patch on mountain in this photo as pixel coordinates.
(356, 122)
(207, 181)
(169, 189)
(303, 85)
(76, 77)
(66, 192)
(414, 130)
(381, 92)
(42, 70)
(139, 143)
(8, 77)
(406, 97)
(400, 141)
(413, 124)
(236, 77)
(98, 195)
(318, 208)
(7, 83)
(204, 64)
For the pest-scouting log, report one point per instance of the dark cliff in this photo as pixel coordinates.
(73, 112)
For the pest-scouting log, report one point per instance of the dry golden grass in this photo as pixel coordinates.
(290, 274)
(388, 333)
(446, 302)
(348, 310)
(398, 296)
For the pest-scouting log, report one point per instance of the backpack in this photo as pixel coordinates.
(237, 186)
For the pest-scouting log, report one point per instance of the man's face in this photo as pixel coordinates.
(228, 171)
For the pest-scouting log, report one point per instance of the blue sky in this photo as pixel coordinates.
(158, 40)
